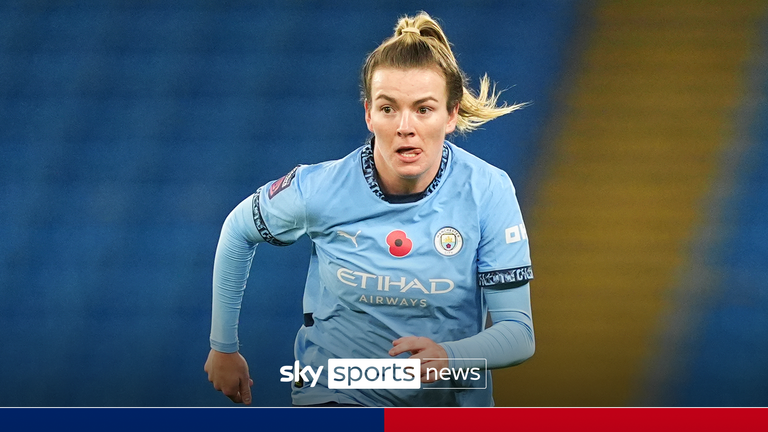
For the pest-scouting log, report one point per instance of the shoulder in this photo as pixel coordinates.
(330, 167)
(305, 180)
(308, 177)
(481, 173)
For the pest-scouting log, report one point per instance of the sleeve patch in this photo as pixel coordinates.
(511, 277)
(260, 225)
(282, 183)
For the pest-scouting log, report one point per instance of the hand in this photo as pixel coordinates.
(422, 348)
(229, 374)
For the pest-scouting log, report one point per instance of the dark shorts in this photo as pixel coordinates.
(330, 405)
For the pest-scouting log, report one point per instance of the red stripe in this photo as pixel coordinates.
(577, 419)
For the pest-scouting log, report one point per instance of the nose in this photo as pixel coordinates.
(405, 128)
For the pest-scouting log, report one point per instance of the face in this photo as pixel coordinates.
(408, 116)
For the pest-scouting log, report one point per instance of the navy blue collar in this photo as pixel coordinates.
(369, 171)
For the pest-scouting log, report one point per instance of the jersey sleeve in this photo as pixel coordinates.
(279, 209)
(504, 272)
(504, 259)
(231, 266)
(274, 214)
(508, 342)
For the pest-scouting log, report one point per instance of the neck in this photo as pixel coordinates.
(402, 186)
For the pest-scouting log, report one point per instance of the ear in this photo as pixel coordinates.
(453, 118)
(368, 115)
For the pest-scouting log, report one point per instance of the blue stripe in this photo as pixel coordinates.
(167, 419)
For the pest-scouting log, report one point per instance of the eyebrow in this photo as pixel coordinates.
(417, 102)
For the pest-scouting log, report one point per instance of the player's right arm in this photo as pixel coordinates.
(274, 214)
(228, 372)
(227, 369)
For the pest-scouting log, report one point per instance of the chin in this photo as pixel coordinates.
(410, 174)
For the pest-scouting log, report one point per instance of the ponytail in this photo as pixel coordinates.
(419, 42)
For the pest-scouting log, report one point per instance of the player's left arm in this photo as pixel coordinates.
(504, 266)
(508, 342)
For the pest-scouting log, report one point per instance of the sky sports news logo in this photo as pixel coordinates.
(387, 374)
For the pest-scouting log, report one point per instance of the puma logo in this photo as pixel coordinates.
(353, 238)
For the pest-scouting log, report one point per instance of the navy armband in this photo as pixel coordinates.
(260, 225)
(503, 279)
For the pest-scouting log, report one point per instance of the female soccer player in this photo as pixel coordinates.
(414, 241)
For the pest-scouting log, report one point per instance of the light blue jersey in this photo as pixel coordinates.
(380, 270)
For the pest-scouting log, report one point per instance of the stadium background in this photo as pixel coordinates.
(129, 129)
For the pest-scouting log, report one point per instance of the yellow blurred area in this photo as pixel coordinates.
(631, 158)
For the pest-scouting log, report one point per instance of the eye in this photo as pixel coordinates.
(386, 109)
(424, 110)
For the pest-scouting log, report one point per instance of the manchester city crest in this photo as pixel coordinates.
(448, 241)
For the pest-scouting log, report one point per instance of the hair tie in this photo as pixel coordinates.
(411, 30)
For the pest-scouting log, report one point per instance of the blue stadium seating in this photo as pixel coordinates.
(131, 128)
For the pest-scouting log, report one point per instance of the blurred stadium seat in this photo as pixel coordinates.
(130, 129)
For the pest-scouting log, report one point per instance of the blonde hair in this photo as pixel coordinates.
(419, 42)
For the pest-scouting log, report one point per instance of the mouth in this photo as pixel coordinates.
(408, 152)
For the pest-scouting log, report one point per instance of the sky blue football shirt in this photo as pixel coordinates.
(380, 270)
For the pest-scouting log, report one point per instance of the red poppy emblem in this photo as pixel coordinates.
(399, 243)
